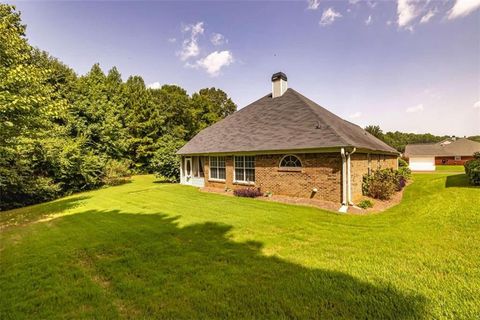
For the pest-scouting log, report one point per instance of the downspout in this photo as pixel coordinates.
(344, 206)
(349, 178)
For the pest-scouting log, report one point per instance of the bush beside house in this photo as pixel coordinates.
(472, 169)
(248, 192)
(382, 184)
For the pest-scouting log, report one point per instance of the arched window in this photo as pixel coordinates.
(290, 161)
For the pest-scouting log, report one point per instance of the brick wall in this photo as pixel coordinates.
(322, 171)
(451, 160)
(228, 175)
(319, 170)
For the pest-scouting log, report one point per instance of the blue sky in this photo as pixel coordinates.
(405, 65)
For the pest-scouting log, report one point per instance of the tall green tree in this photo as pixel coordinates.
(375, 131)
(97, 106)
(28, 102)
(210, 105)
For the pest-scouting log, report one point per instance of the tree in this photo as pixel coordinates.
(211, 105)
(165, 162)
(375, 131)
(399, 140)
(97, 110)
(28, 102)
(61, 133)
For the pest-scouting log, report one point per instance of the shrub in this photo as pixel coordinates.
(248, 192)
(405, 172)
(365, 204)
(402, 163)
(116, 172)
(166, 163)
(381, 184)
(472, 169)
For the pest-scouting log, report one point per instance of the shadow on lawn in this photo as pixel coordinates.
(458, 181)
(151, 267)
(38, 211)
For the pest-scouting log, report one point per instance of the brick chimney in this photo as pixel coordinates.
(279, 84)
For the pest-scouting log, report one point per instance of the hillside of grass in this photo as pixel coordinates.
(156, 250)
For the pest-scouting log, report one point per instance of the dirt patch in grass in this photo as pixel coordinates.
(379, 205)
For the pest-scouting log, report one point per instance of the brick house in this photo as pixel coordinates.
(286, 144)
(454, 151)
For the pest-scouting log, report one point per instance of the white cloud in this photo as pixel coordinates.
(190, 46)
(353, 1)
(477, 105)
(368, 21)
(154, 85)
(429, 15)
(355, 115)
(389, 22)
(218, 39)
(407, 12)
(462, 8)
(329, 16)
(172, 40)
(215, 61)
(417, 108)
(313, 4)
(372, 4)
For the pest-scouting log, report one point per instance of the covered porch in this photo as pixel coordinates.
(192, 170)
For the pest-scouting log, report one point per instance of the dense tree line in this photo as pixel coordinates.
(399, 140)
(62, 133)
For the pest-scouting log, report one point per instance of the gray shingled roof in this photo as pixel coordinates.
(289, 122)
(459, 147)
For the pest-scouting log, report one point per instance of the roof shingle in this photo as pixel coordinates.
(288, 122)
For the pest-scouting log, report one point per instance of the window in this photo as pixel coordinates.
(217, 168)
(290, 162)
(458, 158)
(198, 167)
(244, 168)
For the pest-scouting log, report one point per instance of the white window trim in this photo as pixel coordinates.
(457, 158)
(245, 182)
(290, 168)
(210, 169)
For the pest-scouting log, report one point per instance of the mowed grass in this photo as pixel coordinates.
(153, 250)
(449, 168)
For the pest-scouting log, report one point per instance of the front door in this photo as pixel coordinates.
(188, 170)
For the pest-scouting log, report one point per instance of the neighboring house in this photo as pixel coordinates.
(286, 144)
(424, 157)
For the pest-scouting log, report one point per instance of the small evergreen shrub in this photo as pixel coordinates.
(472, 169)
(116, 173)
(365, 204)
(248, 192)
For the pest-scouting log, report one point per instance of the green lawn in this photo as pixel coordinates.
(449, 168)
(154, 250)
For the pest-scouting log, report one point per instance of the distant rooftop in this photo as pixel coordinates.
(453, 147)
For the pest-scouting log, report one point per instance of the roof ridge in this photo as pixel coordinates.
(306, 102)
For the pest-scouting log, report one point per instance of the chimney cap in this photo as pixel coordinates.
(279, 75)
